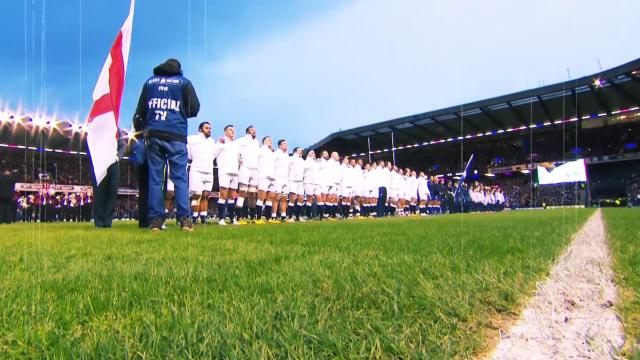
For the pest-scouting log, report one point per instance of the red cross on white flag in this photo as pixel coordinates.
(102, 128)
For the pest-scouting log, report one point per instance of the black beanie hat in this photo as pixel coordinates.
(174, 62)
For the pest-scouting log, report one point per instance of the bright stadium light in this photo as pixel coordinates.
(489, 175)
(76, 127)
(525, 171)
(38, 121)
(597, 82)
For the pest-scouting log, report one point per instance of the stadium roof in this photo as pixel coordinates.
(603, 94)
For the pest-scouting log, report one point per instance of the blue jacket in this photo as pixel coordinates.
(167, 100)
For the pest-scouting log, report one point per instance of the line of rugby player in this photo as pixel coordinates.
(279, 187)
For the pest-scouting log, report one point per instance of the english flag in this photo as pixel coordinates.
(102, 127)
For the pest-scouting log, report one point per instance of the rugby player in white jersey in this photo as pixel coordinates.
(423, 193)
(296, 187)
(266, 180)
(227, 155)
(200, 149)
(500, 200)
(249, 148)
(413, 191)
(384, 181)
(282, 180)
(311, 183)
(395, 184)
(402, 193)
(346, 187)
(332, 188)
(370, 190)
(323, 207)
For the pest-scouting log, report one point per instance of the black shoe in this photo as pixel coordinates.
(156, 224)
(185, 224)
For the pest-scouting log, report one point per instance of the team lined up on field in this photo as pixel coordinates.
(280, 187)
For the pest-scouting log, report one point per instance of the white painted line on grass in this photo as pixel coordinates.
(571, 315)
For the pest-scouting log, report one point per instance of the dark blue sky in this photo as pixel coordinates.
(302, 69)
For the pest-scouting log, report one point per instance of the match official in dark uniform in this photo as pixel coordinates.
(7, 201)
(139, 157)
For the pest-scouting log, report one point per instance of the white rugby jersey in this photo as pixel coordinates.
(384, 177)
(249, 149)
(346, 176)
(423, 187)
(358, 177)
(472, 196)
(322, 165)
(228, 156)
(370, 181)
(296, 168)
(311, 173)
(266, 163)
(412, 186)
(281, 165)
(396, 181)
(331, 172)
(484, 198)
(200, 150)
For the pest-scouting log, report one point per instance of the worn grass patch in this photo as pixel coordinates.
(623, 234)
(412, 287)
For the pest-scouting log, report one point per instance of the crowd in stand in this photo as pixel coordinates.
(30, 166)
(48, 206)
(522, 148)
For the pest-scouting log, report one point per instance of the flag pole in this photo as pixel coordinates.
(393, 149)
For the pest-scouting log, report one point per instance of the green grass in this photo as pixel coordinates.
(374, 288)
(623, 231)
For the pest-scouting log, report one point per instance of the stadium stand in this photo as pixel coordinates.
(595, 117)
